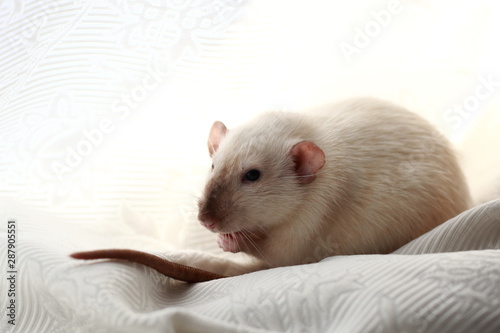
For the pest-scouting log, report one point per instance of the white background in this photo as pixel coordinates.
(105, 107)
(159, 73)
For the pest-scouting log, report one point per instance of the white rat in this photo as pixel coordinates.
(360, 177)
(363, 176)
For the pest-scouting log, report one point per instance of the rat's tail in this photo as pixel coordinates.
(164, 266)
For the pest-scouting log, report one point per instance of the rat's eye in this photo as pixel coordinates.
(212, 166)
(252, 175)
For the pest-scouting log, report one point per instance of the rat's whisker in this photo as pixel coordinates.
(248, 238)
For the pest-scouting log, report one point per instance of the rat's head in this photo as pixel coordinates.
(258, 178)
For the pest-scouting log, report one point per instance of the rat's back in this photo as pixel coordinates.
(397, 175)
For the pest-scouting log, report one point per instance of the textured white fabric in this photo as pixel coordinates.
(104, 111)
(414, 291)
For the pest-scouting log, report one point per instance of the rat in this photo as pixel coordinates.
(363, 176)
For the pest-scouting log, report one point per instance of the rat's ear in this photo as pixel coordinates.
(308, 159)
(217, 133)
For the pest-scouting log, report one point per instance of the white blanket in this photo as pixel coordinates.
(417, 289)
(104, 111)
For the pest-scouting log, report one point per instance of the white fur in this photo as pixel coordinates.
(388, 178)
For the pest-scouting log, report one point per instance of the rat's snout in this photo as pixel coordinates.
(206, 220)
(214, 209)
(208, 212)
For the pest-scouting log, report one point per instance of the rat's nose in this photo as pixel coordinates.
(206, 220)
(208, 225)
